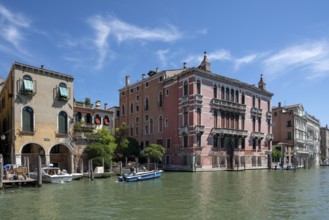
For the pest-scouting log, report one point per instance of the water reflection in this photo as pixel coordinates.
(258, 194)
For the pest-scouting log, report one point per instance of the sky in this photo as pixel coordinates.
(100, 42)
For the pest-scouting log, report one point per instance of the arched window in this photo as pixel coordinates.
(151, 125)
(123, 109)
(198, 112)
(62, 123)
(88, 118)
(146, 103)
(242, 98)
(27, 84)
(97, 120)
(160, 124)
(215, 91)
(78, 116)
(227, 94)
(106, 120)
(237, 96)
(160, 99)
(185, 89)
(232, 95)
(215, 119)
(28, 119)
(185, 120)
(63, 94)
(131, 108)
(198, 87)
(223, 93)
(253, 101)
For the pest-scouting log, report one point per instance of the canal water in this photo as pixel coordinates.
(259, 194)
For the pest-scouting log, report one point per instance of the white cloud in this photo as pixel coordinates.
(244, 60)
(217, 55)
(105, 27)
(12, 26)
(308, 58)
(162, 54)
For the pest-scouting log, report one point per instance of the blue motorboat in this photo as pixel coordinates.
(139, 176)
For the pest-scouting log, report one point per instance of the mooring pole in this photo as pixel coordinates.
(81, 165)
(1, 171)
(91, 169)
(39, 172)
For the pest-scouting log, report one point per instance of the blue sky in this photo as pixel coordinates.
(99, 42)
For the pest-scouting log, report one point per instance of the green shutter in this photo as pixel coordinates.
(27, 120)
(63, 92)
(28, 85)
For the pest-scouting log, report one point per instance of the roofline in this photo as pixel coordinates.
(42, 70)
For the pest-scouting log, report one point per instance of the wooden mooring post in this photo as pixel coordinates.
(1, 171)
(39, 172)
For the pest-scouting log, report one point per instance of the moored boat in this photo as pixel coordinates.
(139, 176)
(52, 175)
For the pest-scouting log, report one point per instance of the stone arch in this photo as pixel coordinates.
(31, 151)
(60, 155)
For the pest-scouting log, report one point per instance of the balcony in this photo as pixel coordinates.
(269, 137)
(257, 135)
(199, 129)
(228, 106)
(198, 99)
(229, 132)
(268, 115)
(183, 130)
(185, 100)
(256, 112)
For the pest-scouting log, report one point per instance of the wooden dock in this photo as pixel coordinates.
(18, 176)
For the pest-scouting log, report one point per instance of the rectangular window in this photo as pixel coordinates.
(159, 142)
(137, 88)
(289, 135)
(137, 108)
(146, 129)
(136, 131)
(185, 139)
(131, 90)
(146, 84)
(168, 143)
(288, 123)
(167, 92)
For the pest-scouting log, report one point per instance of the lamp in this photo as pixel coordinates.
(3, 137)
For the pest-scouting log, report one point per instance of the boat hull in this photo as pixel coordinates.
(141, 176)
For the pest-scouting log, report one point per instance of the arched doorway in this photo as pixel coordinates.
(32, 151)
(60, 156)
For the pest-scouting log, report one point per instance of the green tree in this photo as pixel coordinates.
(102, 147)
(127, 146)
(276, 154)
(154, 151)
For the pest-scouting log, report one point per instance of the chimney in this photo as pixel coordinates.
(97, 104)
(41, 66)
(127, 80)
(105, 106)
(184, 65)
(279, 104)
(157, 70)
(143, 75)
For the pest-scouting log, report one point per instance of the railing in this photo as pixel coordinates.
(184, 130)
(227, 105)
(227, 131)
(199, 129)
(268, 114)
(256, 111)
(184, 99)
(257, 135)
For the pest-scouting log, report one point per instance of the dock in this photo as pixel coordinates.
(13, 176)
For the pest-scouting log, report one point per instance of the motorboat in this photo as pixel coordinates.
(139, 176)
(52, 174)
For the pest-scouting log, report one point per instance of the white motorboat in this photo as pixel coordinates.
(52, 175)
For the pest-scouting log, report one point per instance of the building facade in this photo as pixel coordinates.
(324, 144)
(37, 117)
(206, 122)
(297, 134)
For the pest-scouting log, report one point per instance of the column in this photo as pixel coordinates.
(47, 159)
(18, 159)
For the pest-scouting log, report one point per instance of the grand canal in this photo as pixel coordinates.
(259, 194)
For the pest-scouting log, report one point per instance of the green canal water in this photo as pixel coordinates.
(259, 194)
